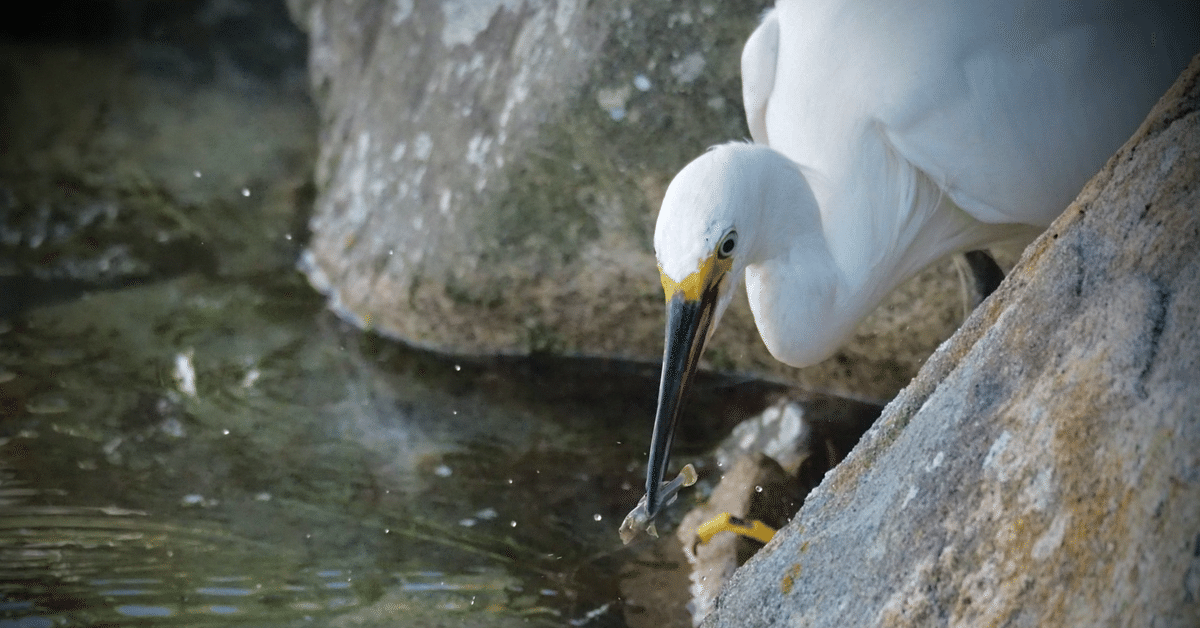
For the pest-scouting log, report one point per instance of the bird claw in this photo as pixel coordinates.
(640, 519)
(725, 522)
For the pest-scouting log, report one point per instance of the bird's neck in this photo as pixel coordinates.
(803, 303)
(800, 304)
(829, 261)
(884, 220)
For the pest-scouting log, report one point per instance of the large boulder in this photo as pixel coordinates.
(490, 172)
(1044, 467)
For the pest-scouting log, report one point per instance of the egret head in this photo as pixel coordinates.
(707, 233)
(708, 224)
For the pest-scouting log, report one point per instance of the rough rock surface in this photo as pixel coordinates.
(768, 465)
(1044, 467)
(490, 173)
(753, 487)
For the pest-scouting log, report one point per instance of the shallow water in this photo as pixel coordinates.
(204, 451)
(187, 436)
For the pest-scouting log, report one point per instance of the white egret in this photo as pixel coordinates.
(887, 135)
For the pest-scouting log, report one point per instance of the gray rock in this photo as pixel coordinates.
(1044, 467)
(490, 172)
(752, 487)
(768, 465)
(801, 430)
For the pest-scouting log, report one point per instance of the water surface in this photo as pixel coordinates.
(208, 451)
(187, 436)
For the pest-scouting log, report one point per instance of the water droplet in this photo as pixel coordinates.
(245, 191)
(443, 471)
(757, 489)
(197, 174)
(457, 367)
(597, 517)
(641, 82)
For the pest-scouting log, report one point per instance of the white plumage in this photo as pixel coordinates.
(919, 129)
(887, 135)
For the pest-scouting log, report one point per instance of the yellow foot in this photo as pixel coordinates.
(756, 530)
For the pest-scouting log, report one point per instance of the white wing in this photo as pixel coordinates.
(1007, 105)
(1044, 108)
(758, 74)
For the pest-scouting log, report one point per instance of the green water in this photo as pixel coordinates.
(204, 451)
(187, 436)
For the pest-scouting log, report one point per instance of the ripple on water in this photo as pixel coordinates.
(32, 621)
(47, 404)
(138, 610)
(233, 591)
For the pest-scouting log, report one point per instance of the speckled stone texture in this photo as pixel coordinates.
(490, 172)
(1044, 467)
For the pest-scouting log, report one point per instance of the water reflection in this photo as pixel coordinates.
(299, 471)
(187, 438)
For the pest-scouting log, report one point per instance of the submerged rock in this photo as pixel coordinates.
(1044, 467)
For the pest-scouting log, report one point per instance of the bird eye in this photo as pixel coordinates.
(728, 243)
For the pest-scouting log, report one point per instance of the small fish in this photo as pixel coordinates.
(638, 519)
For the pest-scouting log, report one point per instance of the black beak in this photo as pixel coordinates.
(688, 322)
